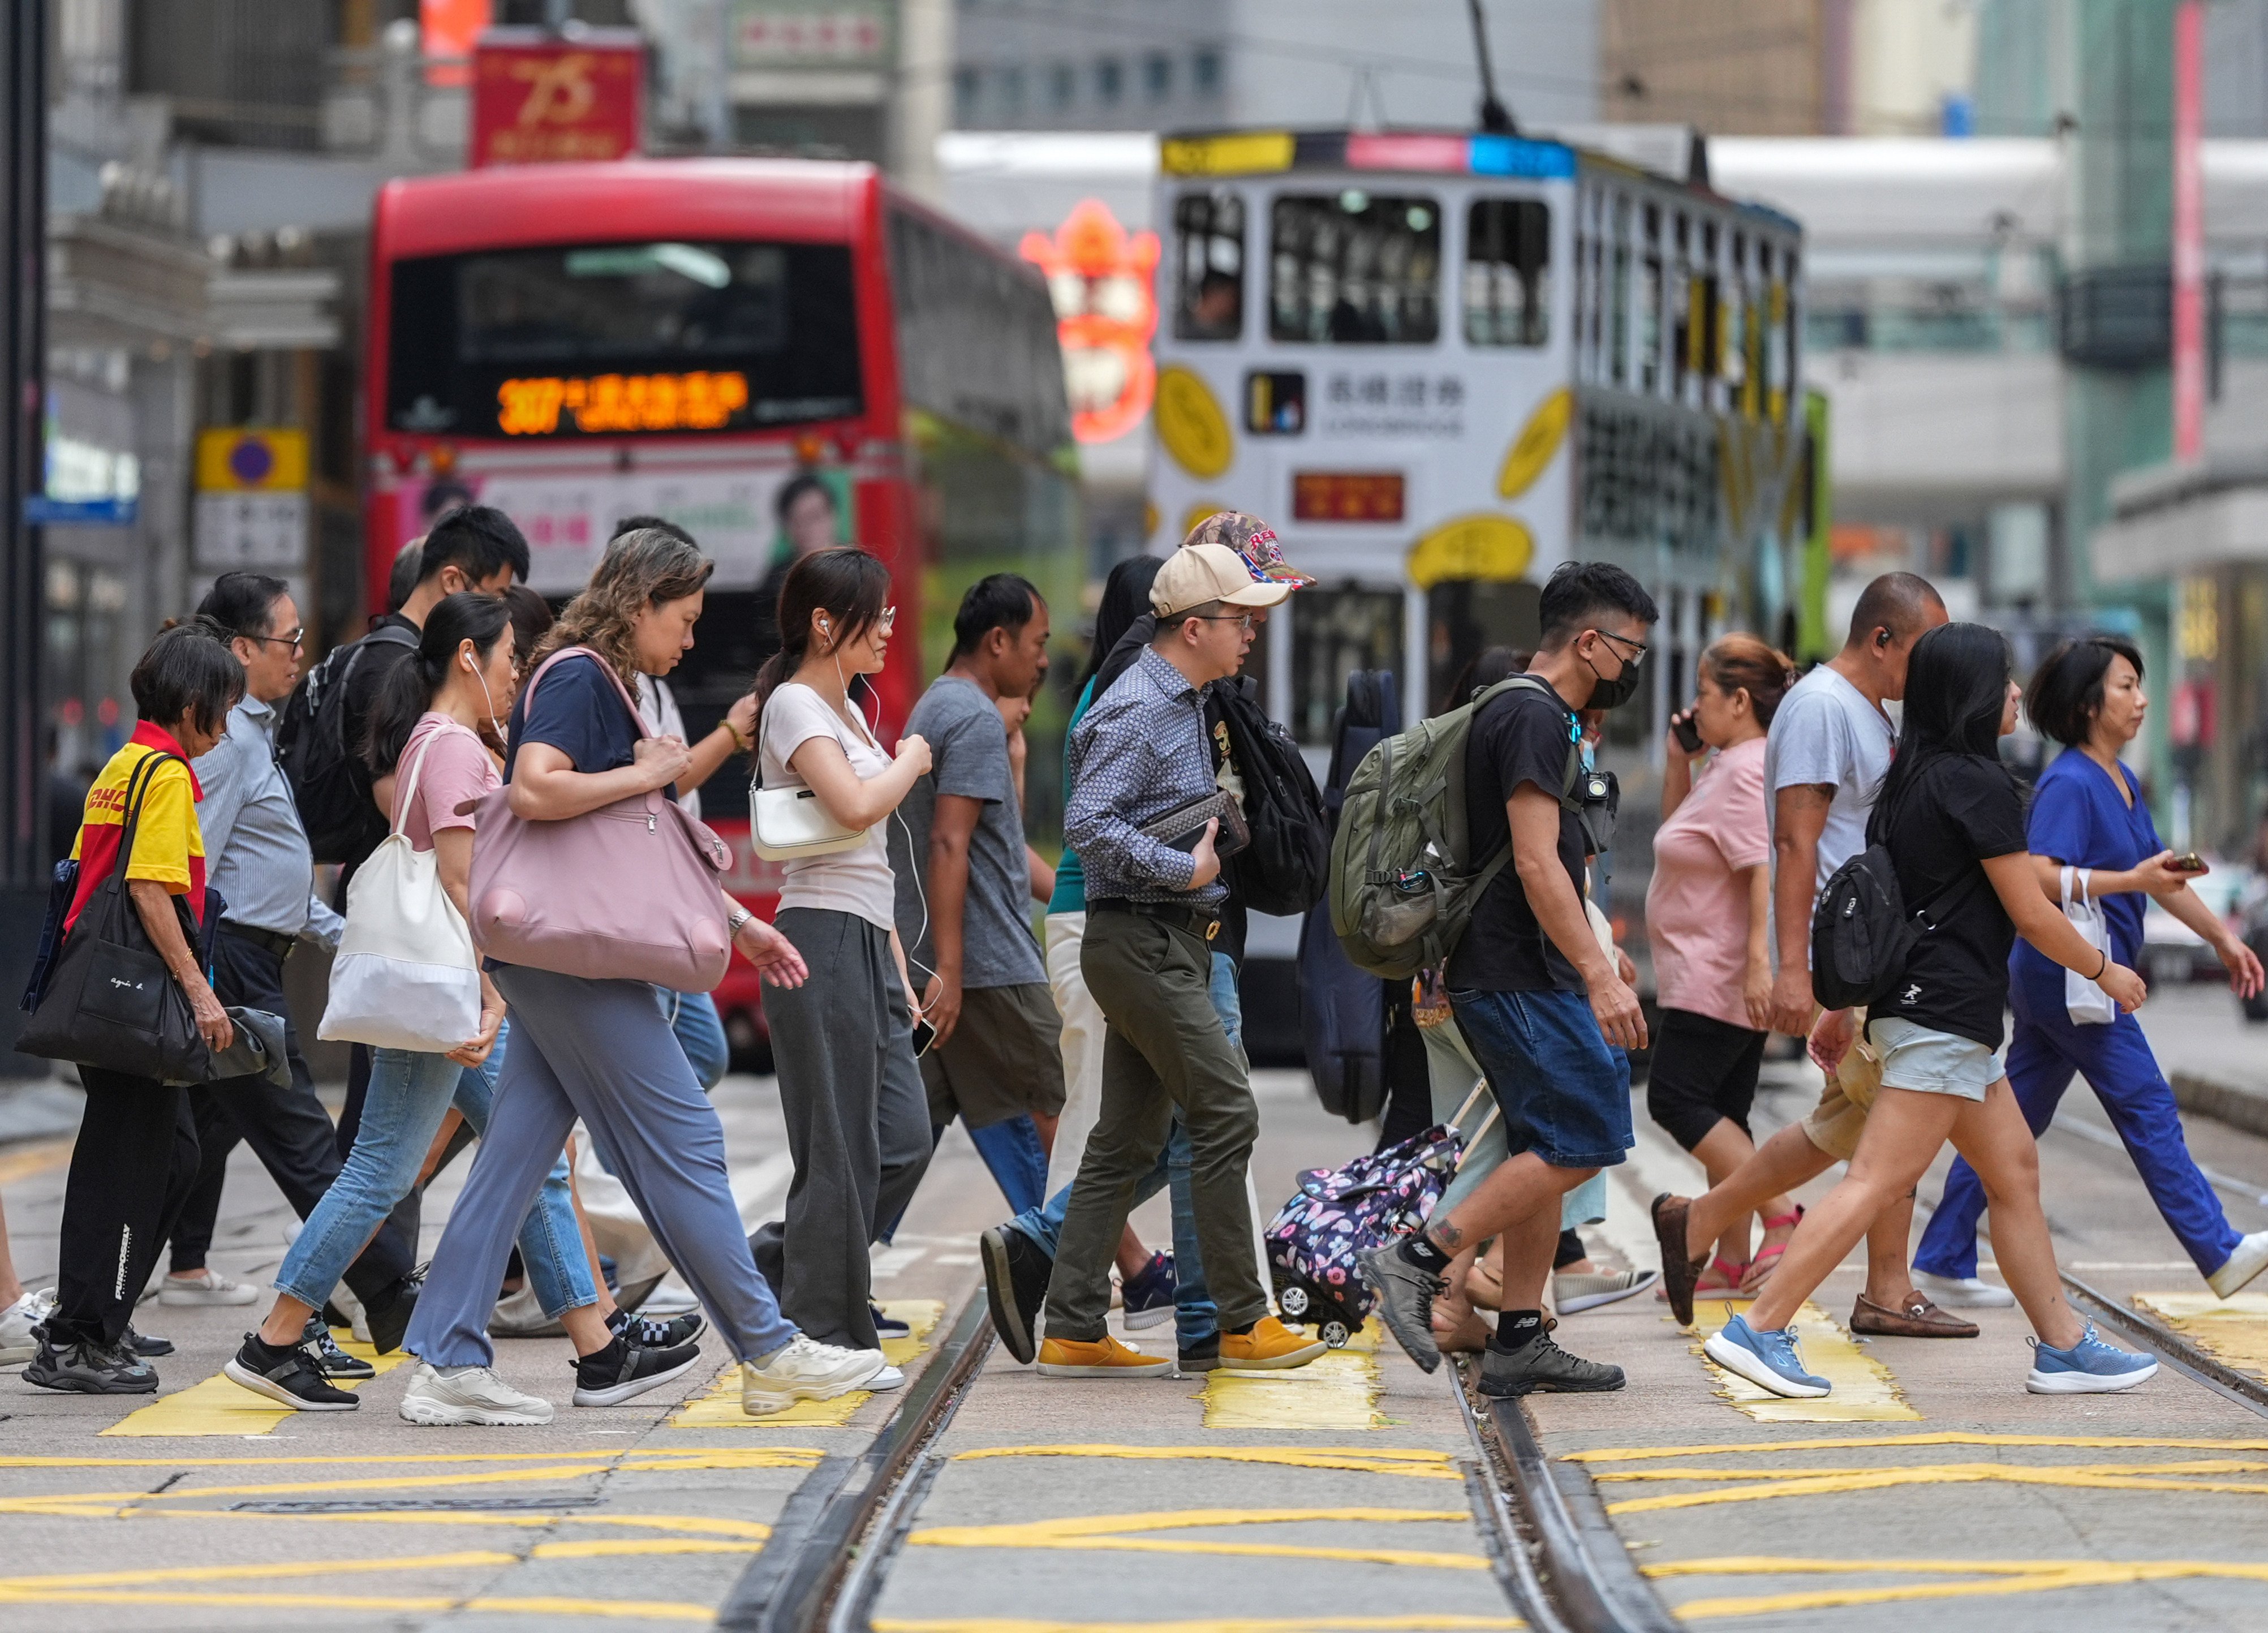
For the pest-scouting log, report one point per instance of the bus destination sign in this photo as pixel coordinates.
(548, 405)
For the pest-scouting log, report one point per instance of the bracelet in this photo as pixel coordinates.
(740, 743)
(2104, 971)
(737, 919)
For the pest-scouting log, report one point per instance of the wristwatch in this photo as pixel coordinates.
(737, 919)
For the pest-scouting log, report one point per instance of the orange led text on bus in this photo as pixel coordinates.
(699, 401)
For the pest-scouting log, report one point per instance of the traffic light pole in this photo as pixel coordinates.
(23, 374)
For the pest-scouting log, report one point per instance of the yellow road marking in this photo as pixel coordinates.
(2208, 1465)
(2233, 1331)
(1417, 1465)
(744, 1456)
(1865, 1393)
(1419, 1623)
(720, 1408)
(2005, 1578)
(220, 1406)
(268, 1570)
(1801, 1484)
(1105, 1533)
(636, 1609)
(26, 1161)
(1339, 1390)
(1936, 1438)
(749, 1530)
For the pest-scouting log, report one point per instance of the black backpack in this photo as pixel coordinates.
(329, 783)
(1862, 932)
(1282, 870)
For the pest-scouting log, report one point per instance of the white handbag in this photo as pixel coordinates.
(2088, 1004)
(407, 976)
(789, 823)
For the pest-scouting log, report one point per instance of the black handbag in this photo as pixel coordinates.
(111, 1002)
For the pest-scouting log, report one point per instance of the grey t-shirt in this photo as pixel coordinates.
(1825, 732)
(969, 756)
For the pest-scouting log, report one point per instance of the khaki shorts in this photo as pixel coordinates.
(1004, 1058)
(1840, 1117)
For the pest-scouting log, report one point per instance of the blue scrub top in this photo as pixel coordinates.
(2078, 817)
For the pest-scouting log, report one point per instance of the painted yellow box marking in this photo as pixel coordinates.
(1338, 1390)
(218, 1407)
(1865, 1392)
(720, 1408)
(2232, 1331)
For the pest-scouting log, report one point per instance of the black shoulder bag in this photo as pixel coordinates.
(111, 1002)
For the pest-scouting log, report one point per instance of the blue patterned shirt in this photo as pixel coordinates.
(1140, 751)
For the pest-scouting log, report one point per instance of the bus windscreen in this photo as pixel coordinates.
(578, 340)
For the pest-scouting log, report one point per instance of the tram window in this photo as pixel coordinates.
(1208, 266)
(1355, 267)
(1678, 302)
(1619, 296)
(1649, 313)
(1334, 633)
(1507, 272)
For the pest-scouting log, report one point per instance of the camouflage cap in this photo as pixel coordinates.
(1254, 539)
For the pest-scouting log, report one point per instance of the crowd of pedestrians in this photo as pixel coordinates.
(468, 760)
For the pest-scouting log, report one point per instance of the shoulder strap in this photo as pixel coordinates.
(1573, 770)
(137, 789)
(405, 789)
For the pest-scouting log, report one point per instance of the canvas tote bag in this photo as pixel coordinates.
(406, 976)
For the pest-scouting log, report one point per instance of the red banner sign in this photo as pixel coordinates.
(540, 98)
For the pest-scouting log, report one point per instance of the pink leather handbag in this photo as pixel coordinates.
(626, 892)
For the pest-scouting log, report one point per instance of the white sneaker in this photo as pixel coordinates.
(469, 1394)
(2249, 1261)
(17, 1344)
(801, 1370)
(207, 1286)
(888, 1377)
(1573, 1293)
(1966, 1292)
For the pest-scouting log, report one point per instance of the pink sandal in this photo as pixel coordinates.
(1720, 1280)
(1761, 1266)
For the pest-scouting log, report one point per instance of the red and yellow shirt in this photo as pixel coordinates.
(168, 847)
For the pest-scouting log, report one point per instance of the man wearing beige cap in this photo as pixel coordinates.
(1141, 755)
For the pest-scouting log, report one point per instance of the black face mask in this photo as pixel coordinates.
(1610, 694)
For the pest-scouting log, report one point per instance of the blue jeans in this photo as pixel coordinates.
(700, 1033)
(2045, 1051)
(1563, 1089)
(410, 1093)
(1011, 1149)
(1194, 1318)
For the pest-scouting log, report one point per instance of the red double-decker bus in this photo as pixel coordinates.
(577, 344)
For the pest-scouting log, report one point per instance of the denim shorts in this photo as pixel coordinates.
(1563, 1089)
(1933, 1062)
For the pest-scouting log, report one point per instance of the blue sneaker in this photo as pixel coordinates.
(1768, 1360)
(2089, 1367)
(1148, 1295)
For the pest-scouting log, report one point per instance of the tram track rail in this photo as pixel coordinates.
(2172, 1348)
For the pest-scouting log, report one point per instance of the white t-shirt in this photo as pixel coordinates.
(657, 707)
(1825, 732)
(856, 881)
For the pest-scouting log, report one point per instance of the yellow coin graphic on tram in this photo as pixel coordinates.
(1197, 512)
(1190, 424)
(1538, 440)
(1496, 548)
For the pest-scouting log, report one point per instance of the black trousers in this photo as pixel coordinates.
(130, 1173)
(288, 1129)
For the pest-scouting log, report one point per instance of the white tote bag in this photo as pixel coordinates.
(2088, 1004)
(787, 823)
(406, 976)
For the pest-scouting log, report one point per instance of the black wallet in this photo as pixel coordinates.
(1183, 826)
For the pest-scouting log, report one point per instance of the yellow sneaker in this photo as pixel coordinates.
(1064, 1357)
(1269, 1344)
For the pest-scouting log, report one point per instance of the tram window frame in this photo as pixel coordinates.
(1333, 634)
(1313, 298)
(1618, 292)
(1523, 268)
(1711, 311)
(1678, 301)
(1209, 244)
(1792, 324)
(1650, 371)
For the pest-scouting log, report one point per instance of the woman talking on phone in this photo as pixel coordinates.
(857, 1118)
(2087, 815)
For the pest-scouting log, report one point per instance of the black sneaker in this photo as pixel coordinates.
(143, 1343)
(1203, 1356)
(1405, 1300)
(290, 1375)
(886, 1324)
(389, 1316)
(1016, 1274)
(329, 1359)
(1540, 1367)
(626, 1369)
(90, 1369)
(654, 1334)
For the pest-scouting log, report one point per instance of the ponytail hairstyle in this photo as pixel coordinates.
(1956, 688)
(643, 568)
(1738, 662)
(409, 690)
(845, 583)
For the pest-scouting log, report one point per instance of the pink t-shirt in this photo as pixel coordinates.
(1696, 911)
(457, 768)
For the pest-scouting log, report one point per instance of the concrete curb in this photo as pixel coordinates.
(2226, 1102)
(1587, 1566)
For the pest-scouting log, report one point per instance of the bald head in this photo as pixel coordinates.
(1903, 603)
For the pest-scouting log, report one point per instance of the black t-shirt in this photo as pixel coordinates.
(578, 711)
(1959, 811)
(1521, 737)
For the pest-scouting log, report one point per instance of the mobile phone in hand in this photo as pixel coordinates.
(924, 1035)
(2187, 861)
(1688, 734)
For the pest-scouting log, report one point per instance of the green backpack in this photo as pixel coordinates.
(1402, 885)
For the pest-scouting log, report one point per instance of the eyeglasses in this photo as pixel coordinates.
(1634, 657)
(889, 616)
(295, 640)
(1228, 617)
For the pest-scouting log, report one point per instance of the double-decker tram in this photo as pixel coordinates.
(1441, 364)
(578, 343)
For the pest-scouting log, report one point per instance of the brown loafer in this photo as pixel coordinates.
(1918, 1318)
(1678, 1273)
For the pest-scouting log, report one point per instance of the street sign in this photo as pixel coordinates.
(539, 97)
(252, 499)
(252, 459)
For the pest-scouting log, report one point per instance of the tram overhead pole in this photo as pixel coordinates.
(1495, 116)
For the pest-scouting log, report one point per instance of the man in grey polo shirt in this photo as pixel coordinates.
(258, 861)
